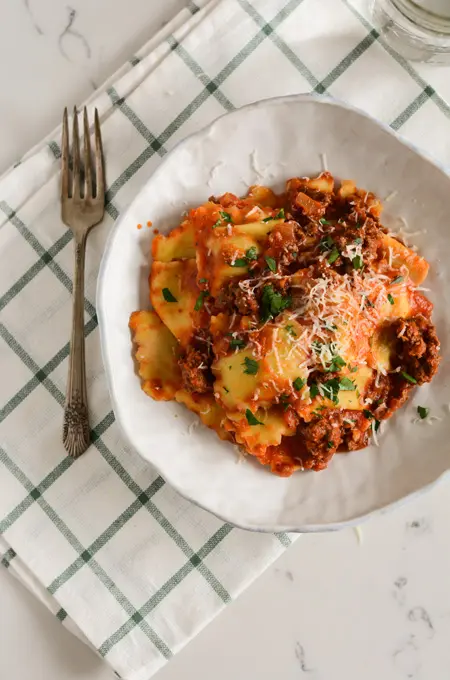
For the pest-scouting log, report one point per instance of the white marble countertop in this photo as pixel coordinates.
(334, 607)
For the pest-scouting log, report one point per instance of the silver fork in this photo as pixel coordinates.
(80, 210)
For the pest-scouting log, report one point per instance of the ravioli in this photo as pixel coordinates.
(173, 293)
(157, 352)
(291, 324)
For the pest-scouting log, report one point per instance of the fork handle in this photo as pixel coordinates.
(76, 430)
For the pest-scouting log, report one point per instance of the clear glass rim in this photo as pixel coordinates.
(425, 19)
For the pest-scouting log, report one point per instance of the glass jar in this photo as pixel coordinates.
(417, 29)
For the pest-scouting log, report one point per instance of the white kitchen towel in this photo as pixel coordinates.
(111, 549)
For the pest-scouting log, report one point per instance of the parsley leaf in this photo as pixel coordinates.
(201, 298)
(271, 263)
(224, 218)
(237, 342)
(330, 444)
(278, 216)
(334, 256)
(337, 363)
(398, 279)
(409, 378)
(251, 254)
(240, 262)
(326, 243)
(376, 425)
(290, 329)
(167, 295)
(347, 385)
(272, 303)
(423, 411)
(368, 414)
(324, 221)
(251, 366)
(299, 383)
(357, 262)
(314, 390)
(390, 298)
(358, 241)
(252, 419)
(203, 280)
(331, 389)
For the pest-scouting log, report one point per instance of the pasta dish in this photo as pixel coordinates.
(292, 324)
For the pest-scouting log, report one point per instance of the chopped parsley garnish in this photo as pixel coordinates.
(353, 369)
(369, 303)
(251, 366)
(390, 298)
(225, 389)
(237, 343)
(324, 221)
(326, 243)
(337, 363)
(334, 256)
(203, 280)
(398, 279)
(284, 400)
(200, 300)
(368, 414)
(240, 262)
(299, 383)
(271, 263)
(330, 444)
(423, 411)
(314, 390)
(251, 419)
(347, 385)
(316, 346)
(290, 329)
(358, 241)
(251, 254)
(330, 389)
(168, 296)
(357, 262)
(376, 425)
(278, 216)
(272, 303)
(409, 378)
(224, 218)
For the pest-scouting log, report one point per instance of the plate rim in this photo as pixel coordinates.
(100, 288)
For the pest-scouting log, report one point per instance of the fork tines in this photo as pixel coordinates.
(93, 185)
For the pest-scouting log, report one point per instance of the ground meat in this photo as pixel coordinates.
(386, 394)
(194, 371)
(356, 430)
(303, 201)
(235, 299)
(284, 242)
(322, 437)
(417, 347)
(368, 235)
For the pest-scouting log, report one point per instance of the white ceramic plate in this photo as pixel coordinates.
(269, 142)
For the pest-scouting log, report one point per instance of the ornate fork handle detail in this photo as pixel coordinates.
(76, 430)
